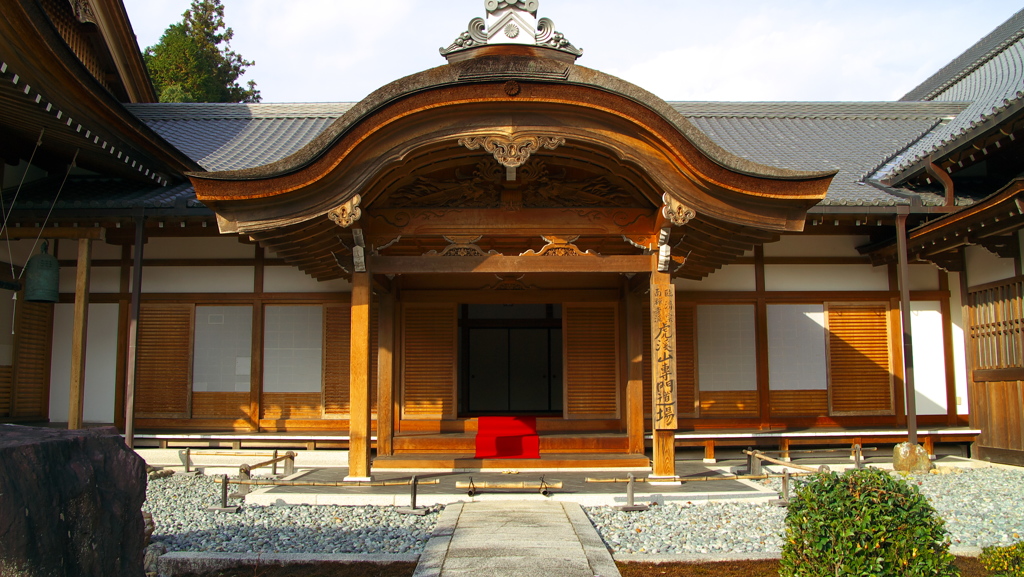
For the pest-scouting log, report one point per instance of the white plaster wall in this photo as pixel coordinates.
(68, 249)
(193, 279)
(796, 347)
(816, 245)
(100, 363)
(102, 279)
(288, 279)
(201, 247)
(737, 277)
(829, 277)
(17, 252)
(984, 267)
(929, 359)
(924, 277)
(959, 343)
(726, 348)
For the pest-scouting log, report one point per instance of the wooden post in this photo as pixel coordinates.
(908, 349)
(385, 373)
(259, 329)
(133, 334)
(663, 373)
(635, 373)
(359, 381)
(76, 403)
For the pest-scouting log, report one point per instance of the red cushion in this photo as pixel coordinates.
(507, 425)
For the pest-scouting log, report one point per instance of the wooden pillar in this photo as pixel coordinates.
(133, 333)
(359, 381)
(635, 373)
(663, 373)
(78, 334)
(946, 313)
(908, 348)
(761, 336)
(256, 353)
(385, 373)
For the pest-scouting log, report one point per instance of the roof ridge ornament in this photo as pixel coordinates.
(509, 22)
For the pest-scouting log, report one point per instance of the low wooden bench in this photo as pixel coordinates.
(783, 440)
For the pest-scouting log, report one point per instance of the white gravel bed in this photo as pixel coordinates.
(982, 507)
(178, 505)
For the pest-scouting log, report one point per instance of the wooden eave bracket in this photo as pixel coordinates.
(673, 213)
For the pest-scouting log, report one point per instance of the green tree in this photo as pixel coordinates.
(193, 62)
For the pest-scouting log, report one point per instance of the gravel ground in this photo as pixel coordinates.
(178, 505)
(981, 507)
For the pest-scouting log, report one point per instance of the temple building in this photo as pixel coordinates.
(509, 234)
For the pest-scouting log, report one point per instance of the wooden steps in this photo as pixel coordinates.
(561, 443)
(454, 461)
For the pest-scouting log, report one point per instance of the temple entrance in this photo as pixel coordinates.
(510, 360)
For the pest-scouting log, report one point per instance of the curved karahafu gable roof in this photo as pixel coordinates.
(519, 90)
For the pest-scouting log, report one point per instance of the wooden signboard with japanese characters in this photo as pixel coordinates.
(663, 349)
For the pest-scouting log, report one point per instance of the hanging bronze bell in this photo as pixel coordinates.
(42, 278)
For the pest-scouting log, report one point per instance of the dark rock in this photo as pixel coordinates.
(70, 503)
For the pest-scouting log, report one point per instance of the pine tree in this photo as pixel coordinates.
(193, 62)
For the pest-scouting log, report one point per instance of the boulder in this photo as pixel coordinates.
(70, 503)
(910, 458)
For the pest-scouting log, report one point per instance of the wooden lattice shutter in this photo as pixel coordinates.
(6, 380)
(337, 356)
(686, 361)
(30, 386)
(163, 374)
(859, 359)
(429, 342)
(591, 361)
(337, 350)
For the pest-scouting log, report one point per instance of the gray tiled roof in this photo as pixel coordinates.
(853, 137)
(100, 193)
(989, 75)
(238, 136)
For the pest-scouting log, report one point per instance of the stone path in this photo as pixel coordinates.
(515, 539)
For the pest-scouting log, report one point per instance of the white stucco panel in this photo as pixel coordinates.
(736, 277)
(816, 245)
(984, 267)
(197, 279)
(929, 358)
(288, 279)
(198, 247)
(100, 363)
(826, 277)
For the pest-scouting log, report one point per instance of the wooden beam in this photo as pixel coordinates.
(93, 233)
(359, 380)
(497, 264)
(76, 402)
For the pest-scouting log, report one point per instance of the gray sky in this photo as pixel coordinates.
(341, 50)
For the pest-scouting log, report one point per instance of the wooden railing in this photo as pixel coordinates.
(996, 324)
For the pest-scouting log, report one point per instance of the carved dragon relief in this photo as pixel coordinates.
(347, 214)
(560, 246)
(485, 187)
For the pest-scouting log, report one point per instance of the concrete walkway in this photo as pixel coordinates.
(515, 539)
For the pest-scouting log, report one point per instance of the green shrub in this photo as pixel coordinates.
(1004, 561)
(865, 523)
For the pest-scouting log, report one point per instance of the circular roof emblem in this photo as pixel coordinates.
(511, 30)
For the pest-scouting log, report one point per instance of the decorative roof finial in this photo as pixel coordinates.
(511, 22)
